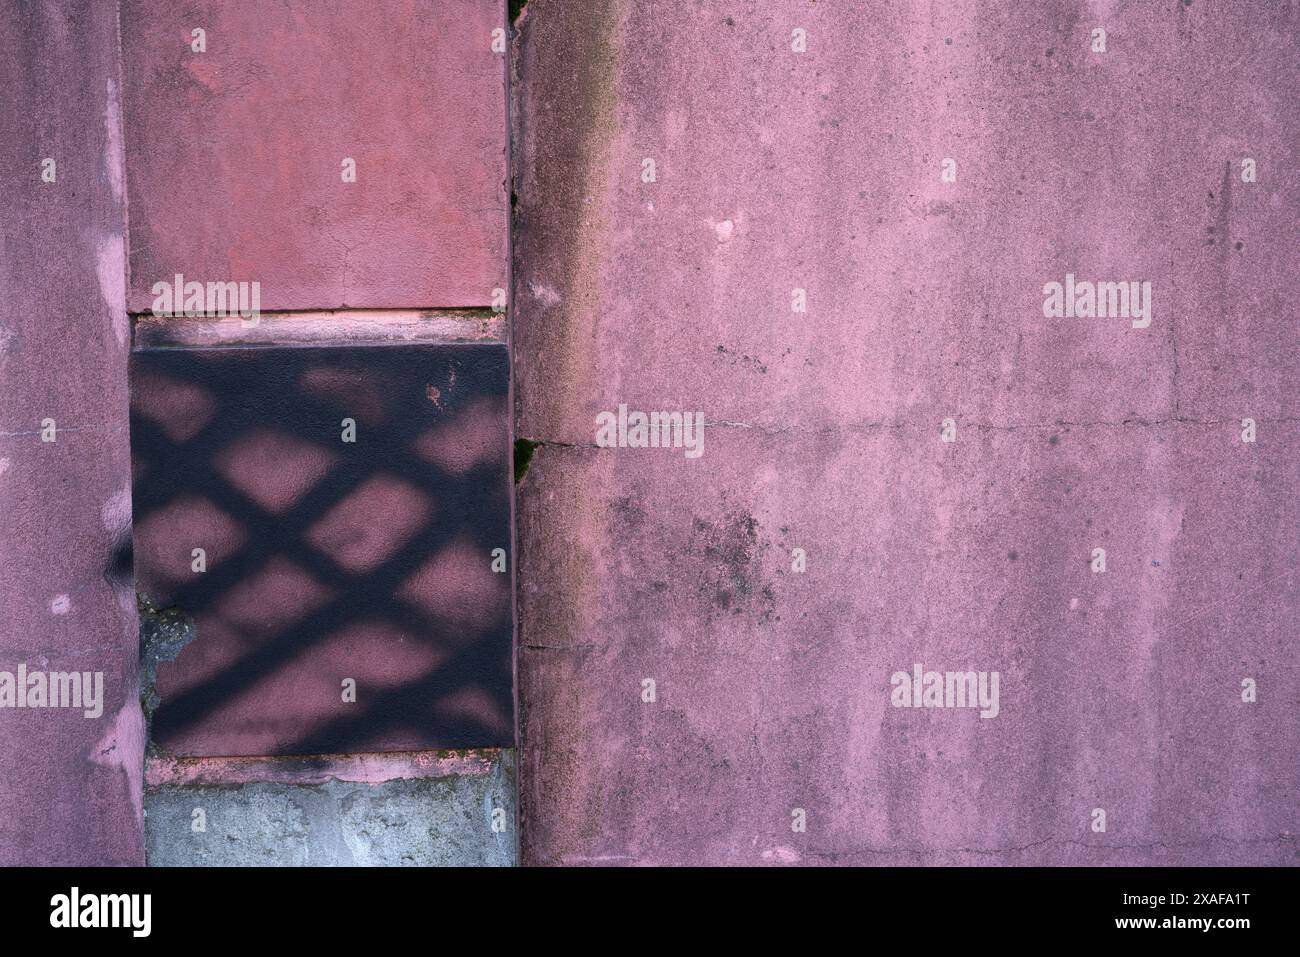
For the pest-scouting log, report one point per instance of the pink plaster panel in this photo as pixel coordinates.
(234, 154)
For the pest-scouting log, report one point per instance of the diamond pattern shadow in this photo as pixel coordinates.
(326, 561)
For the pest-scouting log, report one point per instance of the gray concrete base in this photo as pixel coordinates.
(443, 821)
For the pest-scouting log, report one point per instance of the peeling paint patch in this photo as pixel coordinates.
(114, 155)
(115, 513)
(544, 293)
(110, 268)
(119, 749)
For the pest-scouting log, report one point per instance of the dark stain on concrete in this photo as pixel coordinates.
(731, 580)
(164, 632)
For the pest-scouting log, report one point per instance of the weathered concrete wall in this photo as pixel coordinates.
(69, 784)
(358, 812)
(821, 170)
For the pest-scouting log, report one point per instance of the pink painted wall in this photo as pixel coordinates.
(821, 170)
(231, 159)
(70, 785)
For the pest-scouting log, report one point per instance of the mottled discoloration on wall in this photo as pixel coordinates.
(821, 171)
(69, 786)
(570, 62)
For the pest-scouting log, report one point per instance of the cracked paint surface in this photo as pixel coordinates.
(821, 171)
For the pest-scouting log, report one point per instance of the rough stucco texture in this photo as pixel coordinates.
(820, 170)
(69, 785)
(234, 155)
(404, 822)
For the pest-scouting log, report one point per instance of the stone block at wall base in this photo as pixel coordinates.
(446, 820)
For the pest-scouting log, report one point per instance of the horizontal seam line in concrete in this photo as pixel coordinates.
(931, 426)
(108, 429)
(1210, 839)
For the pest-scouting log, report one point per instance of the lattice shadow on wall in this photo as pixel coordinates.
(325, 560)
